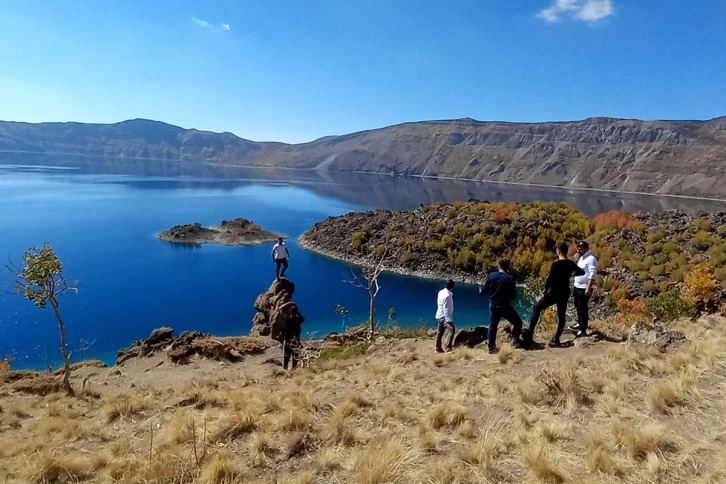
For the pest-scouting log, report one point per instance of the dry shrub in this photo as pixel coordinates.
(445, 414)
(168, 467)
(428, 440)
(528, 392)
(639, 442)
(631, 311)
(600, 457)
(123, 406)
(564, 387)
(447, 471)
(221, 468)
(5, 366)
(540, 465)
(615, 218)
(388, 460)
(306, 476)
(664, 395)
(699, 285)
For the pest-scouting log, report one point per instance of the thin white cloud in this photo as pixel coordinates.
(206, 24)
(201, 22)
(585, 10)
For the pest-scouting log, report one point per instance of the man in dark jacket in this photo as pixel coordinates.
(501, 290)
(291, 341)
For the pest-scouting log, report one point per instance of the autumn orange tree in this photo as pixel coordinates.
(41, 281)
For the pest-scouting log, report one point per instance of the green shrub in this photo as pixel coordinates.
(668, 306)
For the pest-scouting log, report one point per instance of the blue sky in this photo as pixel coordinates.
(296, 70)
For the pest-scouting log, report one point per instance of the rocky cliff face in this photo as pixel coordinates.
(667, 157)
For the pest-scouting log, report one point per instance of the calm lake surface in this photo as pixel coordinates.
(101, 215)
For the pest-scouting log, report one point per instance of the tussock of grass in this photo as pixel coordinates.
(238, 424)
(339, 429)
(639, 442)
(295, 420)
(505, 353)
(541, 466)
(564, 387)
(221, 468)
(123, 406)
(384, 461)
(48, 468)
(600, 457)
(445, 414)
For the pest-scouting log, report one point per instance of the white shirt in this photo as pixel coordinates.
(445, 305)
(279, 251)
(588, 263)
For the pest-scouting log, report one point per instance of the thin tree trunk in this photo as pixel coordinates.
(372, 315)
(64, 349)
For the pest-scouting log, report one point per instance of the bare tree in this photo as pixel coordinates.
(41, 281)
(368, 280)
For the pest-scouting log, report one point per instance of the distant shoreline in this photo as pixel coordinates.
(425, 177)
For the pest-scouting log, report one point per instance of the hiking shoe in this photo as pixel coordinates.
(517, 344)
(555, 344)
(574, 327)
(437, 350)
(493, 351)
(580, 334)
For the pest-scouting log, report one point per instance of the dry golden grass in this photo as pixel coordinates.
(598, 414)
(123, 406)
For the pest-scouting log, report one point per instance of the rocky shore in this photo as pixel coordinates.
(239, 231)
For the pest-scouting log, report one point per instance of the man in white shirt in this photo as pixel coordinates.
(583, 287)
(279, 257)
(445, 316)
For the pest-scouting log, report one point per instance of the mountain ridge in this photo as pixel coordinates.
(675, 157)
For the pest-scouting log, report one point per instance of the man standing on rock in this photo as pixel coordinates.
(583, 287)
(501, 290)
(445, 316)
(280, 255)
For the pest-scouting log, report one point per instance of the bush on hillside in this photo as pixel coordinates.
(668, 306)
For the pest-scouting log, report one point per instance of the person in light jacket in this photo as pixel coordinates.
(280, 255)
(445, 316)
(583, 288)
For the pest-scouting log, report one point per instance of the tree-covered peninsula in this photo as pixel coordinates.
(671, 259)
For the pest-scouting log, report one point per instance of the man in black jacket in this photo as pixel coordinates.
(557, 291)
(501, 290)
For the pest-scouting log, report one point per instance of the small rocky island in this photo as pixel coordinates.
(239, 231)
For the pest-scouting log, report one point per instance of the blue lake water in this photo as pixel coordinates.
(101, 216)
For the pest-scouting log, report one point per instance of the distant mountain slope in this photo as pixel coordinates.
(668, 157)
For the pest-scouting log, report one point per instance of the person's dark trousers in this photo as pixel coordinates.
(496, 313)
(440, 334)
(581, 305)
(546, 301)
(280, 263)
(290, 352)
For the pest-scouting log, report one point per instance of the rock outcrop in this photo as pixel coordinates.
(657, 335)
(239, 231)
(189, 343)
(271, 307)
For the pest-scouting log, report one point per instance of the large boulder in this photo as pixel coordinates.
(471, 337)
(271, 306)
(160, 339)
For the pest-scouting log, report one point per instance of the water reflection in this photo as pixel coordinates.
(374, 191)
